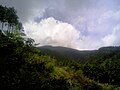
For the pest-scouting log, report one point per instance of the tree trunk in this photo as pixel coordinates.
(8, 28)
(2, 25)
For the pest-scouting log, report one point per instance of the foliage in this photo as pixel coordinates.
(8, 16)
(24, 67)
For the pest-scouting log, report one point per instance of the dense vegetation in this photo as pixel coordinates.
(104, 66)
(101, 65)
(23, 66)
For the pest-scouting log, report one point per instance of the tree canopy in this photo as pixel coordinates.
(9, 18)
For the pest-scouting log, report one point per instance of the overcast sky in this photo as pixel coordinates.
(79, 24)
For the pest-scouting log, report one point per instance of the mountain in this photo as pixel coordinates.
(110, 48)
(63, 53)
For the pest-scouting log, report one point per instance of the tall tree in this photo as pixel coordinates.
(9, 16)
(3, 11)
(12, 18)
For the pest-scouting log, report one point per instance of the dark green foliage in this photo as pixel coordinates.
(65, 54)
(107, 72)
(24, 67)
(104, 66)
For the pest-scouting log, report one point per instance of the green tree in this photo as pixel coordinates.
(3, 12)
(9, 16)
(12, 18)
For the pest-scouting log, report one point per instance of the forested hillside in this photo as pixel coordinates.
(64, 53)
(23, 66)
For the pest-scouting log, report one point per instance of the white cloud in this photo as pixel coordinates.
(88, 43)
(56, 33)
(114, 38)
(53, 32)
(108, 40)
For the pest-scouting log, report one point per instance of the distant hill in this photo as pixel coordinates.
(63, 53)
(110, 48)
(66, 53)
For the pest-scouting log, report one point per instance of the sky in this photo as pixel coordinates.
(78, 24)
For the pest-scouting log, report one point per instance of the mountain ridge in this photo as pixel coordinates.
(64, 53)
